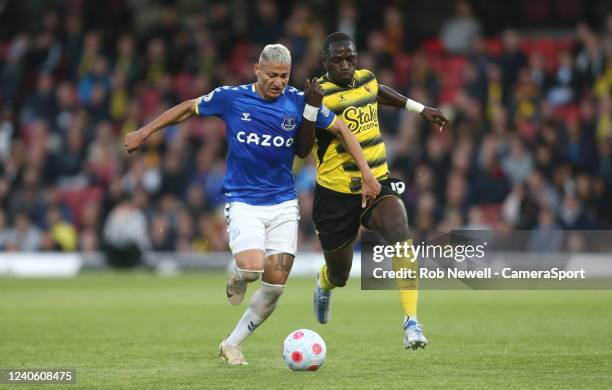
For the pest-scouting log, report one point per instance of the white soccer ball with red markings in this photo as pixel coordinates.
(304, 350)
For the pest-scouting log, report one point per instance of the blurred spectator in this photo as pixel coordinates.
(161, 239)
(174, 177)
(490, 184)
(184, 231)
(475, 220)
(103, 156)
(459, 31)
(564, 82)
(590, 58)
(89, 53)
(28, 199)
(65, 165)
(541, 191)
(571, 214)
(517, 165)
(45, 52)
(5, 233)
(511, 208)
(267, 25)
(395, 36)
(457, 196)
(25, 236)
(126, 63)
(511, 61)
(12, 71)
(42, 102)
(298, 29)
(547, 237)
(125, 235)
(7, 129)
(62, 232)
(347, 19)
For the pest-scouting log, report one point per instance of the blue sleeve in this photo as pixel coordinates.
(213, 104)
(325, 118)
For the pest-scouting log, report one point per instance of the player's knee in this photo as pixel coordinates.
(249, 275)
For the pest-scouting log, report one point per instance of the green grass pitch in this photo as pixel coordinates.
(138, 330)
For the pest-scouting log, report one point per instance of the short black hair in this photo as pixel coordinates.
(336, 37)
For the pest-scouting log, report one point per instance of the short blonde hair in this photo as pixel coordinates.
(276, 53)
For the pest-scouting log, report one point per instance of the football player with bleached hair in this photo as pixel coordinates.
(267, 124)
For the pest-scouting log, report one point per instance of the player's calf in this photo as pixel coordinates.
(338, 278)
(262, 304)
(337, 267)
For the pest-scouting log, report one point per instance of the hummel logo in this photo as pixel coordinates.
(246, 116)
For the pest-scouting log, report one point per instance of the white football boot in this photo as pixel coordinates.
(232, 354)
(413, 335)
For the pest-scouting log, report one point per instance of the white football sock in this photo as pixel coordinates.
(262, 304)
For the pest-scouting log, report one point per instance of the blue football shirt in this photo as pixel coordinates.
(261, 141)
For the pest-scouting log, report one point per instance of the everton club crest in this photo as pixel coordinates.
(289, 122)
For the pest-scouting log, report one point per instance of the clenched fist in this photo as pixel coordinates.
(133, 140)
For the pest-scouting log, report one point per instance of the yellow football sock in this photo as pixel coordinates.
(409, 299)
(324, 282)
(409, 288)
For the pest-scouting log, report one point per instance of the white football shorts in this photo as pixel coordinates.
(273, 228)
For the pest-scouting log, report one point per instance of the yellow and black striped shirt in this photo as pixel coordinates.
(357, 107)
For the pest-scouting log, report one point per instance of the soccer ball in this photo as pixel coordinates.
(304, 350)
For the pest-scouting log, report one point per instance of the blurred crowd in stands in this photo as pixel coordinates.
(530, 146)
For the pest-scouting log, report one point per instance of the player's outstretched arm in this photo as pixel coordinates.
(305, 138)
(389, 97)
(370, 187)
(176, 114)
